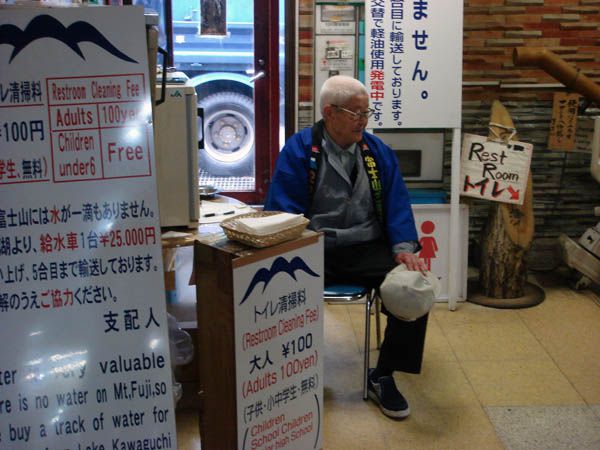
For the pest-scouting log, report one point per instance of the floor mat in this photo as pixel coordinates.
(546, 427)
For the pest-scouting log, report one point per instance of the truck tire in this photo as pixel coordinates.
(228, 135)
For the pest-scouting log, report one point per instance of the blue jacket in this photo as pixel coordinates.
(289, 190)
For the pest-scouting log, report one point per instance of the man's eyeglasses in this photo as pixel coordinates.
(356, 116)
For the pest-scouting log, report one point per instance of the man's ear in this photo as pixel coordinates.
(327, 112)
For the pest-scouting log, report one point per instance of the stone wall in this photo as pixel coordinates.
(564, 191)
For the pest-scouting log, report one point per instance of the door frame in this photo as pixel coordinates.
(266, 99)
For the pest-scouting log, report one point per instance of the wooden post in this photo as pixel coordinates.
(507, 236)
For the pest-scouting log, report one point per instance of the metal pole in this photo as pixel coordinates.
(454, 265)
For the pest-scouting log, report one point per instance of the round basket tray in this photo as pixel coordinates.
(230, 227)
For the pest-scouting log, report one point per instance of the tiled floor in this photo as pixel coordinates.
(492, 379)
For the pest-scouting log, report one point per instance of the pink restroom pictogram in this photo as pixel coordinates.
(428, 244)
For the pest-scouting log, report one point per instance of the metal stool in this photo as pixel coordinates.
(346, 294)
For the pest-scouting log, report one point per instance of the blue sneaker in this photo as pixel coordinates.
(384, 392)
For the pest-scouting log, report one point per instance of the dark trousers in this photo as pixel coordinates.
(367, 264)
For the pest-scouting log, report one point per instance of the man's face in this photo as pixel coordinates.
(344, 127)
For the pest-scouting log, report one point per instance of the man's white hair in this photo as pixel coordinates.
(338, 89)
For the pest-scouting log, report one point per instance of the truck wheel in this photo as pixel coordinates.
(228, 135)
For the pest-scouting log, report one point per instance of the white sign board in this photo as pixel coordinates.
(493, 170)
(85, 360)
(279, 350)
(433, 226)
(413, 63)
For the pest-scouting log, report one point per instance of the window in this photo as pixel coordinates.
(226, 50)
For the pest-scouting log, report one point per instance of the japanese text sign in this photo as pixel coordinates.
(413, 62)
(493, 170)
(279, 357)
(82, 294)
(563, 126)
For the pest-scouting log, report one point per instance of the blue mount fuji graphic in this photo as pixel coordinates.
(279, 265)
(45, 26)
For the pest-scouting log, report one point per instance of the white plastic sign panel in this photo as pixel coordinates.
(494, 170)
(413, 63)
(279, 350)
(334, 55)
(335, 19)
(85, 362)
(433, 226)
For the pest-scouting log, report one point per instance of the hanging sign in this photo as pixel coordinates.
(279, 350)
(563, 126)
(81, 288)
(493, 170)
(413, 63)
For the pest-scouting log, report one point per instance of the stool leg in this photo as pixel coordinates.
(377, 302)
(367, 344)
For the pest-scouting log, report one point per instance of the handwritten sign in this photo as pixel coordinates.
(81, 287)
(563, 126)
(493, 170)
(279, 357)
(413, 65)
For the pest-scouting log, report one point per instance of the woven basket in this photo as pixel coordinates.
(230, 227)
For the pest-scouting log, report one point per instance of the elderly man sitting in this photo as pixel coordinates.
(347, 182)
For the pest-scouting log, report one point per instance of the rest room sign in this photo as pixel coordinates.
(494, 170)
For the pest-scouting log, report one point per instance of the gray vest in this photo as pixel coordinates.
(344, 213)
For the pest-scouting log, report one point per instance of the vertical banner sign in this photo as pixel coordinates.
(563, 126)
(278, 343)
(85, 361)
(413, 62)
(494, 170)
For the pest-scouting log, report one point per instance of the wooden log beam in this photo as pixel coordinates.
(507, 236)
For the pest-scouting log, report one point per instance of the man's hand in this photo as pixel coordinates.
(411, 261)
